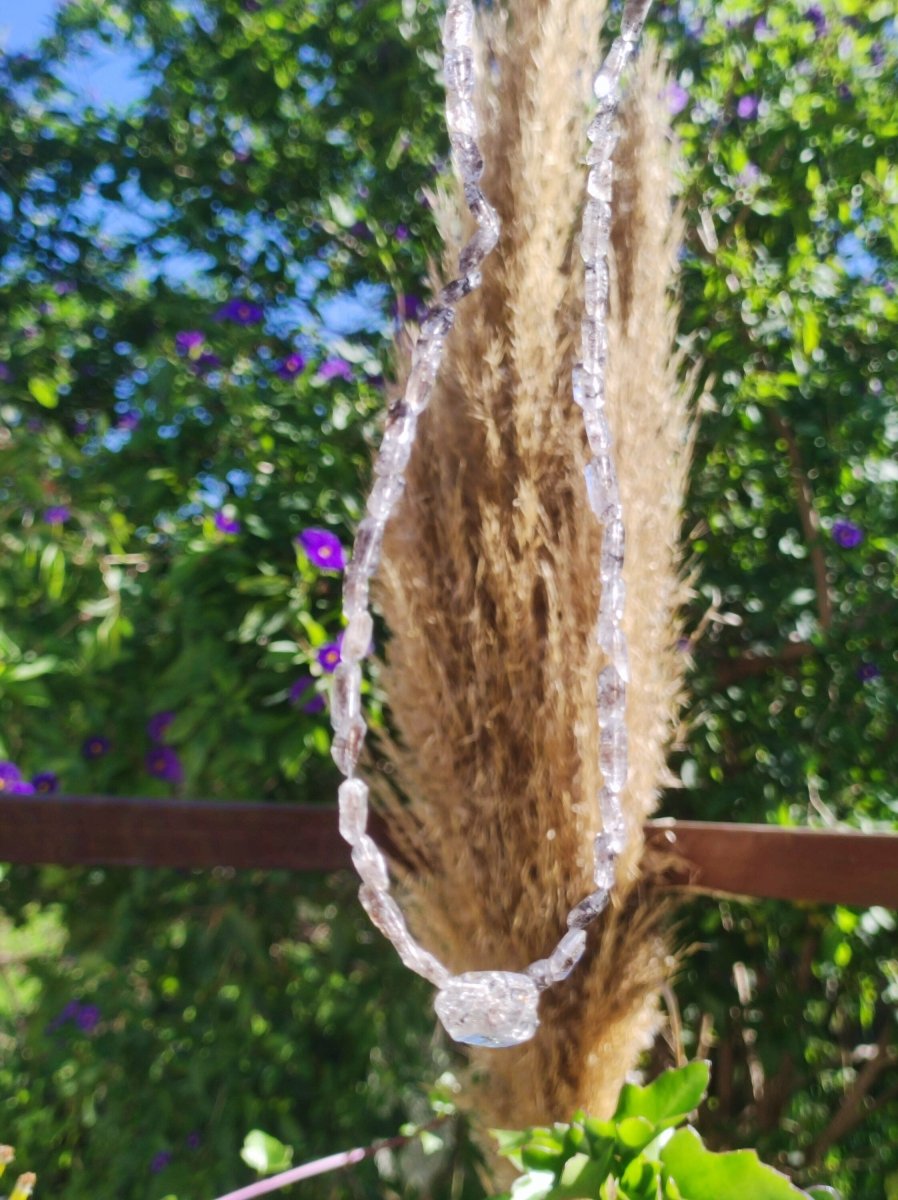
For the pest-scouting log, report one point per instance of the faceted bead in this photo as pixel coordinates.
(612, 640)
(566, 955)
(477, 249)
(489, 1008)
(438, 322)
(539, 972)
(347, 745)
(583, 386)
(605, 855)
(597, 432)
(612, 549)
(458, 29)
(370, 864)
(613, 823)
(357, 637)
(468, 158)
(596, 231)
(594, 343)
(613, 754)
(595, 289)
(368, 541)
(588, 909)
(461, 116)
(599, 181)
(353, 809)
(383, 495)
(612, 695)
(346, 696)
(481, 209)
(614, 595)
(461, 287)
(601, 486)
(396, 447)
(458, 70)
(355, 591)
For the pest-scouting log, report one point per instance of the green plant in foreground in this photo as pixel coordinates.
(642, 1154)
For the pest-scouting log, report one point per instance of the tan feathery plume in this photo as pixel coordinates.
(490, 585)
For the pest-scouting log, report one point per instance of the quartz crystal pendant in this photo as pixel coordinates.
(489, 1008)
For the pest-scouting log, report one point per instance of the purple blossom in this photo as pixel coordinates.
(292, 365)
(57, 514)
(360, 230)
(335, 368)
(303, 695)
(322, 548)
(207, 361)
(96, 746)
(160, 1161)
(5, 373)
(750, 174)
(846, 534)
(128, 421)
(677, 98)
(194, 1140)
(162, 762)
(747, 108)
(817, 17)
(20, 788)
(9, 774)
(240, 312)
(87, 1018)
(329, 656)
(188, 341)
(226, 524)
(845, 92)
(867, 671)
(45, 782)
(158, 724)
(402, 233)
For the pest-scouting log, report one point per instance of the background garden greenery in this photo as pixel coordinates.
(197, 294)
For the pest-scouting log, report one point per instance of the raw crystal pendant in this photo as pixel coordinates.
(489, 1008)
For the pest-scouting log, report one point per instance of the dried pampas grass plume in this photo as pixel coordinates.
(490, 584)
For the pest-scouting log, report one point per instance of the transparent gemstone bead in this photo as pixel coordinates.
(384, 495)
(368, 541)
(605, 857)
(355, 591)
(611, 639)
(347, 745)
(467, 157)
(566, 955)
(614, 596)
(346, 696)
(357, 637)
(489, 1008)
(594, 344)
(396, 447)
(601, 487)
(458, 70)
(477, 249)
(437, 323)
(370, 864)
(595, 289)
(613, 825)
(584, 387)
(353, 809)
(461, 287)
(596, 232)
(458, 29)
(588, 909)
(635, 13)
(612, 549)
(423, 376)
(599, 181)
(461, 117)
(597, 432)
(612, 694)
(613, 754)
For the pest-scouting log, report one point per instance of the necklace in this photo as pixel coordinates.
(498, 1008)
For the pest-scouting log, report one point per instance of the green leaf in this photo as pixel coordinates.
(669, 1099)
(265, 1153)
(580, 1179)
(635, 1133)
(701, 1174)
(44, 391)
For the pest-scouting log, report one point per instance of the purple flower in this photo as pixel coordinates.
(95, 746)
(5, 373)
(63, 287)
(45, 782)
(360, 230)
(303, 695)
(240, 312)
(207, 361)
(845, 92)
(9, 774)
(747, 108)
(817, 17)
(226, 524)
(677, 98)
(57, 514)
(292, 365)
(402, 234)
(749, 174)
(322, 548)
(158, 723)
(87, 1018)
(128, 421)
(189, 341)
(867, 671)
(160, 1161)
(329, 656)
(20, 788)
(194, 1140)
(335, 368)
(846, 534)
(162, 762)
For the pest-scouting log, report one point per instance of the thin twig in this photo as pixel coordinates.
(320, 1166)
(852, 1110)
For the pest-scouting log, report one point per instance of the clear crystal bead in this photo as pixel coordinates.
(396, 447)
(612, 694)
(596, 232)
(489, 1008)
(477, 249)
(613, 824)
(370, 864)
(458, 29)
(384, 495)
(458, 71)
(347, 745)
(368, 541)
(594, 344)
(605, 859)
(588, 909)
(468, 158)
(601, 487)
(635, 13)
(583, 386)
(613, 754)
(612, 549)
(599, 181)
(597, 432)
(566, 955)
(346, 696)
(595, 289)
(357, 637)
(355, 592)
(353, 809)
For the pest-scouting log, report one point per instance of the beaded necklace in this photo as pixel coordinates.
(498, 1008)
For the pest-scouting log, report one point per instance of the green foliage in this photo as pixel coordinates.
(637, 1156)
(265, 1154)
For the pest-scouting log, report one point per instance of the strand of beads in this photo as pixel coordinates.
(604, 498)
(389, 483)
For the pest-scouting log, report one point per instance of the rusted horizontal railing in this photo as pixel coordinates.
(813, 865)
